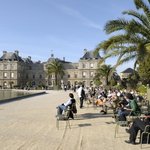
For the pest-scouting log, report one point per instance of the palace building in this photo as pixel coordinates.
(18, 71)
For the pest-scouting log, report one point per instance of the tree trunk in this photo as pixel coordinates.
(55, 79)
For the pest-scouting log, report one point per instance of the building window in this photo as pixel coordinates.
(83, 65)
(91, 83)
(68, 75)
(75, 83)
(68, 83)
(84, 74)
(26, 76)
(12, 66)
(75, 75)
(33, 76)
(50, 76)
(91, 65)
(5, 75)
(5, 66)
(40, 76)
(33, 83)
(91, 74)
(5, 84)
(12, 75)
(83, 82)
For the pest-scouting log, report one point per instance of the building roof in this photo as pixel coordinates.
(15, 57)
(52, 59)
(90, 55)
(27, 60)
(128, 70)
(11, 57)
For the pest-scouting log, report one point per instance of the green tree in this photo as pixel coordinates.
(103, 72)
(11, 84)
(56, 68)
(131, 40)
(97, 79)
(28, 83)
(144, 70)
(133, 80)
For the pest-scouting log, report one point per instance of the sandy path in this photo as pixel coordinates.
(30, 124)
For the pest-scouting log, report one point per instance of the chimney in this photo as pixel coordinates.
(17, 52)
(85, 50)
(29, 57)
(52, 55)
(63, 58)
(4, 52)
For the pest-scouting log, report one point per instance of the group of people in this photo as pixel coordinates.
(123, 103)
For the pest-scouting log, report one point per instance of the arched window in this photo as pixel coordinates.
(68, 83)
(33, 76)
(33, 83)
(68, 75)
(5, 84)
(91, 83)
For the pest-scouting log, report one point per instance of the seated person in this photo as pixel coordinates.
(121, 105)
(109, 102)
(99, 100)
(64, 106)
(133, 108)
(135, 127)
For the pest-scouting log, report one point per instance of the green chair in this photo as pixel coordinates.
(63, 117)
(147, 132)
(119, 123)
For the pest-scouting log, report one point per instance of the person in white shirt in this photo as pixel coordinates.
(64, 106)
(81, 94)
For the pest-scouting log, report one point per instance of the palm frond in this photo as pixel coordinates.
(140, 4)
(139, 16)
(115, 25)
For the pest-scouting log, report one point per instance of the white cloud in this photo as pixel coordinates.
(78, 15)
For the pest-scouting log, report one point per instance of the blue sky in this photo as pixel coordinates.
(65, 27)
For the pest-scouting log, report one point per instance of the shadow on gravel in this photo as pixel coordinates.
(92, 116)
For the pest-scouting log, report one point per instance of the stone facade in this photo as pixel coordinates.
(17, 70)
(125, 74)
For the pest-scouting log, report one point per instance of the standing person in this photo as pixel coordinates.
(65, 88)
(74, 88)
(81, 94)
